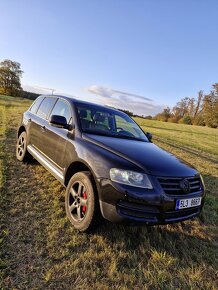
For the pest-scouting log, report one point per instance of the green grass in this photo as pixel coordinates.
(39, 249)
(202, 138)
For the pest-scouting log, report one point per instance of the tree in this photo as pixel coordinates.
(149, 117)
(210, 108)
(127, 112)
(202, 111)
(184, 107)
(10, 74)
(164, 116)
(199, 120)
(198, 105)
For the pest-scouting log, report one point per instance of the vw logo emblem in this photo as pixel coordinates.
(185, 185)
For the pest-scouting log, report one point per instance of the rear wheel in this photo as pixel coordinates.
(21, 148)
(81, 202)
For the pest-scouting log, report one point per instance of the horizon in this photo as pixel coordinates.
(140, 56)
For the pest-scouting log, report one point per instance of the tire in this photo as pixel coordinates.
(21, 148)
(81, 202)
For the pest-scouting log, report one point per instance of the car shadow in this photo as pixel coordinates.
(183, 242)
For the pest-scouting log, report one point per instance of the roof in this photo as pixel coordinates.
(77, 101)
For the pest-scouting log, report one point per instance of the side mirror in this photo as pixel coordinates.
(149, 136)
(58, 121)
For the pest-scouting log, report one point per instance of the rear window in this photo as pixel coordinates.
(36, 104)
(46, 107)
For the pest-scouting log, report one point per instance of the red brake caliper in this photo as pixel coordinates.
(84, 206)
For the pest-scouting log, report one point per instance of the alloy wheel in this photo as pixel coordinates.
(78, 203)
(21, 146)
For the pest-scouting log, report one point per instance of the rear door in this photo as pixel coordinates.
(56, 138)
(33, 123)
(39, 121)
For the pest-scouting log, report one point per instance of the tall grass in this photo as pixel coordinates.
(39, 249)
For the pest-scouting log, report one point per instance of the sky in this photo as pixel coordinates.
(140, 55)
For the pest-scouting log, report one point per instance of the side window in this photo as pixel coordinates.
(85, 117)
(95, 119)
(85, 114)
(102, 119)
(35, 105)
(61, 108)
(46, 107)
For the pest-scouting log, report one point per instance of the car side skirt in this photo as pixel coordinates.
(56, 172)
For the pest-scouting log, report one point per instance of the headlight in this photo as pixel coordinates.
(130, 178)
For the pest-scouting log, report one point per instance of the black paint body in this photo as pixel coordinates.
(66, 148)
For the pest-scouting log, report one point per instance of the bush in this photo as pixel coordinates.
(199, 121)
(186, 120)
(172, 120)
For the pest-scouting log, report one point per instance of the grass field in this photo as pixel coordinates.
(39, 249)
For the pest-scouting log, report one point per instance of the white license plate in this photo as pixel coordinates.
(189, 202)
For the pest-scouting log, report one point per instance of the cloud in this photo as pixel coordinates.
(123, 100)
(137, 104)
(102, 91)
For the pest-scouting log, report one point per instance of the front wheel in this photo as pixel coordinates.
(81, 202)
(21, 148)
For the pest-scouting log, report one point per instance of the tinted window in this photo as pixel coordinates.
(125, 125)
(61, 108)
(36, 104)
(107, 122)
(46, 107)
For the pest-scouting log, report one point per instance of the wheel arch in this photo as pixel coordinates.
(21, 130)
(75, 167)
(80, 166)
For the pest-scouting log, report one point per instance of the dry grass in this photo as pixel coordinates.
(39, 249)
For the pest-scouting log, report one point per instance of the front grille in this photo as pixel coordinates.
(172, 215)
(136, 210)
(152, 215)
(172, 185)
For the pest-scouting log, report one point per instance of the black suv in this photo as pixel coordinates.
(108, 165)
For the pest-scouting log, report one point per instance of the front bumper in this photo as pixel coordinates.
(126, 204)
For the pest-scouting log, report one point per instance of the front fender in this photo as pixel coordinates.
(98, 159)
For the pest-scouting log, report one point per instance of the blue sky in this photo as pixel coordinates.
(135, 54)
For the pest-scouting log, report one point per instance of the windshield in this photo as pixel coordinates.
(108, 122)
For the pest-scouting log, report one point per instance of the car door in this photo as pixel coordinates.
(33, 122)
(56, 138)
(38, 123)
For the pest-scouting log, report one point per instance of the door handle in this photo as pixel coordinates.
(43, 128)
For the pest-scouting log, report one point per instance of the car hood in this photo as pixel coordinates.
(152, 159)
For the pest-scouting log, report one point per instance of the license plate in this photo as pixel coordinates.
(189, 202)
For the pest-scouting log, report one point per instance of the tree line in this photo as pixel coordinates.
(202, 111)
